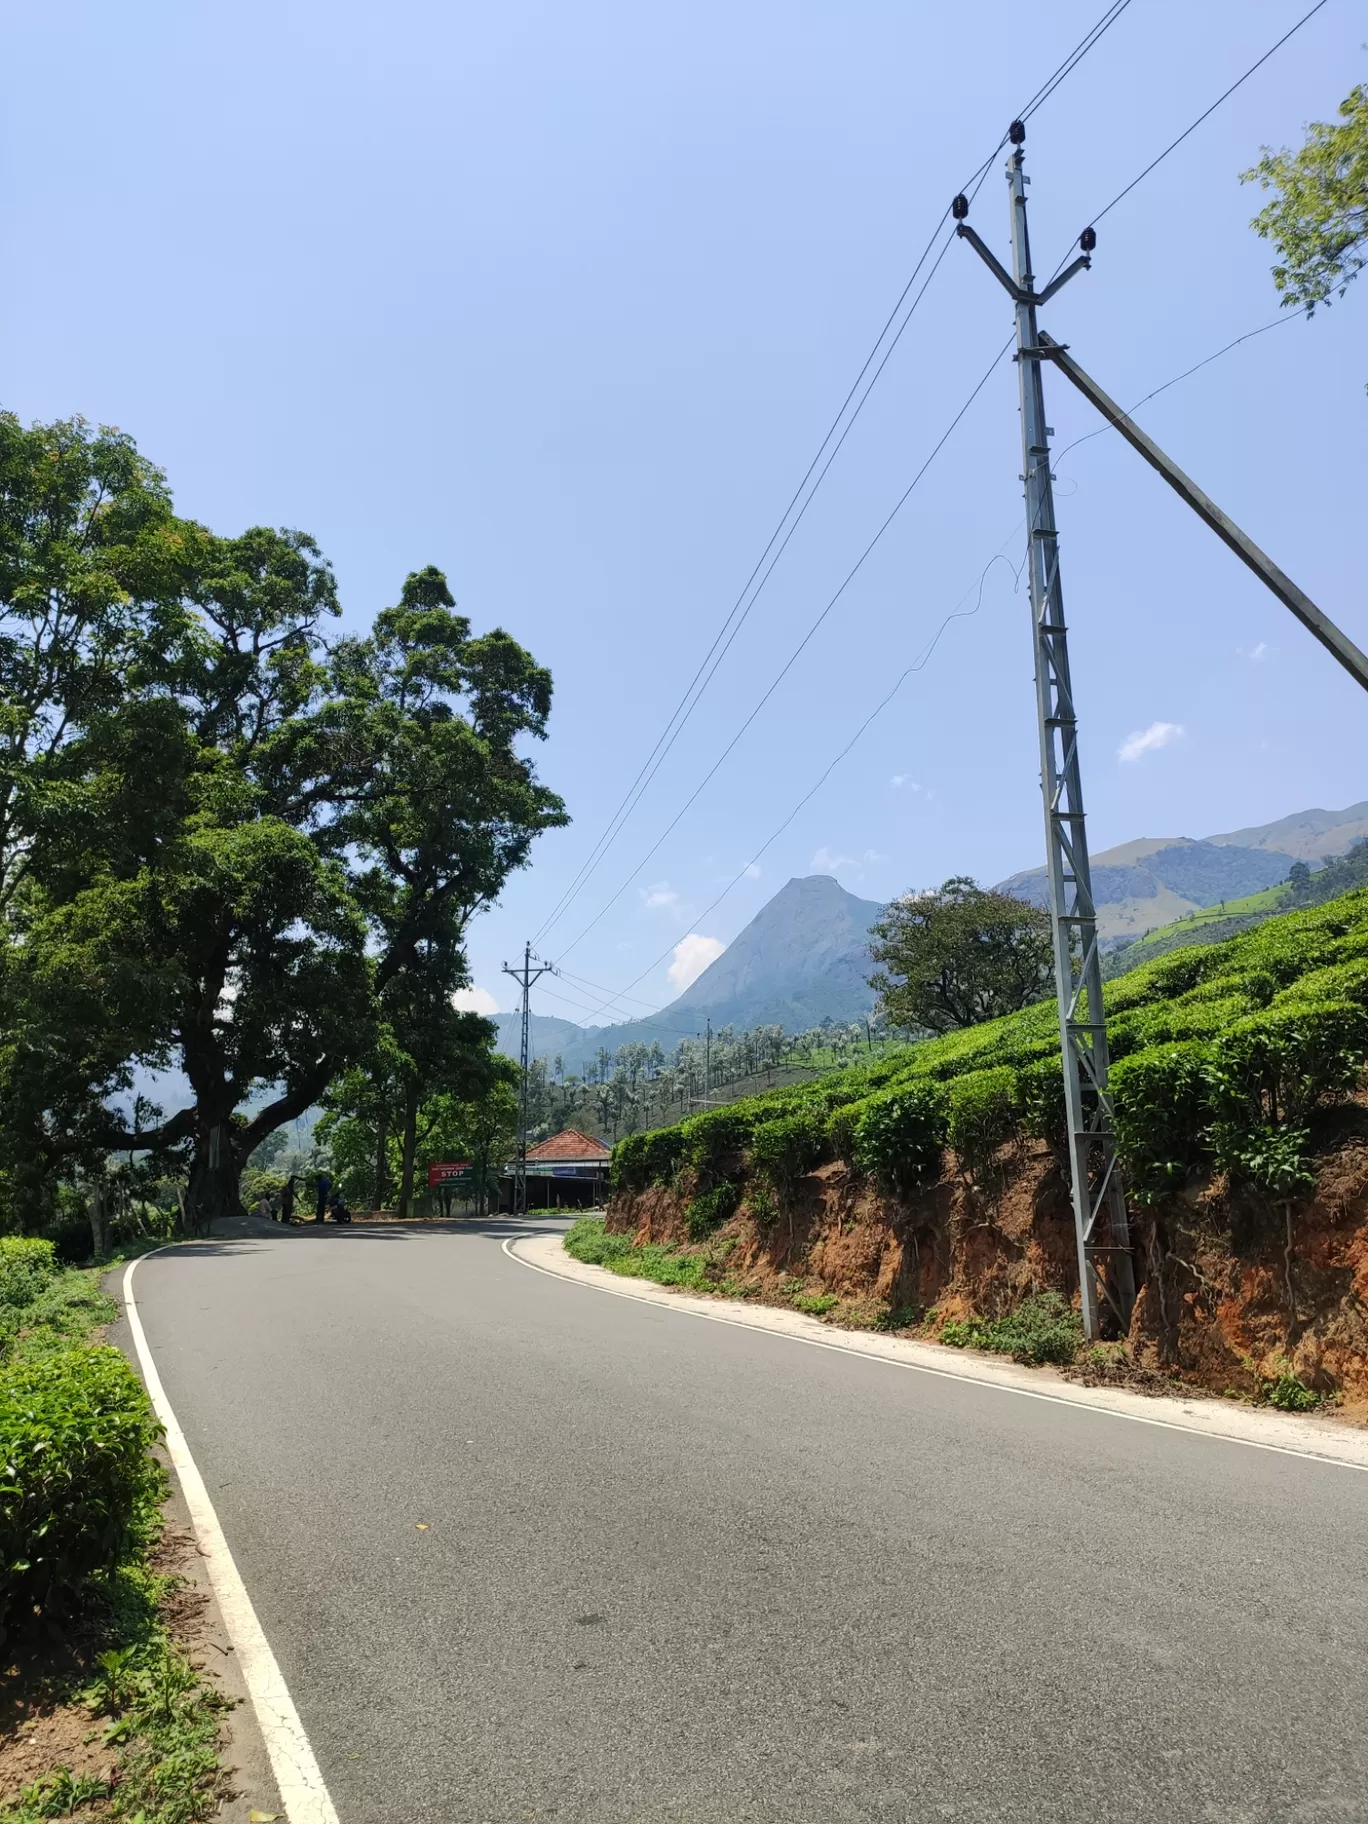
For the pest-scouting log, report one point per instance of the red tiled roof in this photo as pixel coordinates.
(572, 1144)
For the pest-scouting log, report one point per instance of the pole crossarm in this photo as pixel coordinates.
(1312, 618)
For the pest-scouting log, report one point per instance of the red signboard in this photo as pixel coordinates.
(442, 1174)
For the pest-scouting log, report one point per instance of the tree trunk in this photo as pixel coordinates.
(98, 1211)
(410, 1149)
(215, 1177)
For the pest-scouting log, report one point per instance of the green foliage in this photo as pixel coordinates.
(1042, 1328)
(1161, 1116)
(710, 1209)
(204, 799)
(983, 1112)
(79, 1489)
(585, 1240)
(713, 1141)
(958, 956)
(1271, 1159)
(1222, 1054)
(650, 1158)
(815, 1304)
(784, 1150)
(67, 1309)
(762, 1206)
(1318, 219)
(27, 1266)
(1289, 1393)
(900, 1135)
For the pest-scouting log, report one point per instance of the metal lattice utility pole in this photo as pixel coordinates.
(1104, 1261)
(525, 978)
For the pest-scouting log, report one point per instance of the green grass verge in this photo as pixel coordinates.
(118, 1658)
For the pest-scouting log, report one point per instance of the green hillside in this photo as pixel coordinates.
(1340, 874)
(1222, 1053)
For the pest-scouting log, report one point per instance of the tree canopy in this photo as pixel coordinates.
(1318, 217)
(959, 955)
(227, 841)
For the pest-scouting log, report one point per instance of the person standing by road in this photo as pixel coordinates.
(287, 1195)
(322, 1185)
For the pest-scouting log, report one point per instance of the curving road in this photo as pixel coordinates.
(682, 1571)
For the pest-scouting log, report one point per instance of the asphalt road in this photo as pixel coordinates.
(682, 1571)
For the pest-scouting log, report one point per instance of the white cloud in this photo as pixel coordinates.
(873, 855)
(827, 863)
(691, 957)
(475, 1000)
(753, 871)
(1261, 651)
(900, 779)
(1146, 740)
(661, 894)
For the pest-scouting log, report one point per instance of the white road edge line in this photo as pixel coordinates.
(297, 1774)
(1102, 1402)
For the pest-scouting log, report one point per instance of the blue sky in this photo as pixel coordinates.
(562, 299)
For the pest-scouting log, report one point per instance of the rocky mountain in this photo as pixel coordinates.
(802, 957)
(800, 960)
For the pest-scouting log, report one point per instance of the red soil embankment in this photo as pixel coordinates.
(1233, 1291)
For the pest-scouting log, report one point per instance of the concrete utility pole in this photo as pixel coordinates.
(525, 978)
(1104, 1262)
(707, 1065)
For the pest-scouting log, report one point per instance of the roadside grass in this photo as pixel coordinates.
(115, 1683)
(1042, 1328)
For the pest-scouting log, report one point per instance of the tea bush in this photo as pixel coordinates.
(784, 1150)
(27, 1266)
(1222, 1052)
(984, 1113)
(900, 1135)
(79, 1490)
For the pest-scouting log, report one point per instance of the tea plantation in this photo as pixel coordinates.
(1221, 1054)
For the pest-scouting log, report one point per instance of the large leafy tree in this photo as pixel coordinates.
(958, 956)
(1318, 216)
(240, 846)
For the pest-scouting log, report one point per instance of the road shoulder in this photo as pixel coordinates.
(1321, 1438)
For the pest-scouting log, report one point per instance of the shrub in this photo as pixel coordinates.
(640, 1160)
(983, 1113)
(713, 1139)
(1289, 1393)
(1041, 1089)
(79, 1489)
(900, 1135)
(1043, 1328)
(1271, 1159)
(711, 1209)
(816, 1304)
(27, 1265)
(762, 1207)
(1159, 1098)
(1277, 1065)
(784, 1150)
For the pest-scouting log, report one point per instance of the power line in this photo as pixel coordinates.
(682, 1032)
(919, 664)
(728, 632)
(794, 655)
(1204, 115)
(954, 615)
(1295, 317)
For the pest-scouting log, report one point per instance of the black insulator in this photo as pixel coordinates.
(1016, 132)
(960, 207)
(1088, 239)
